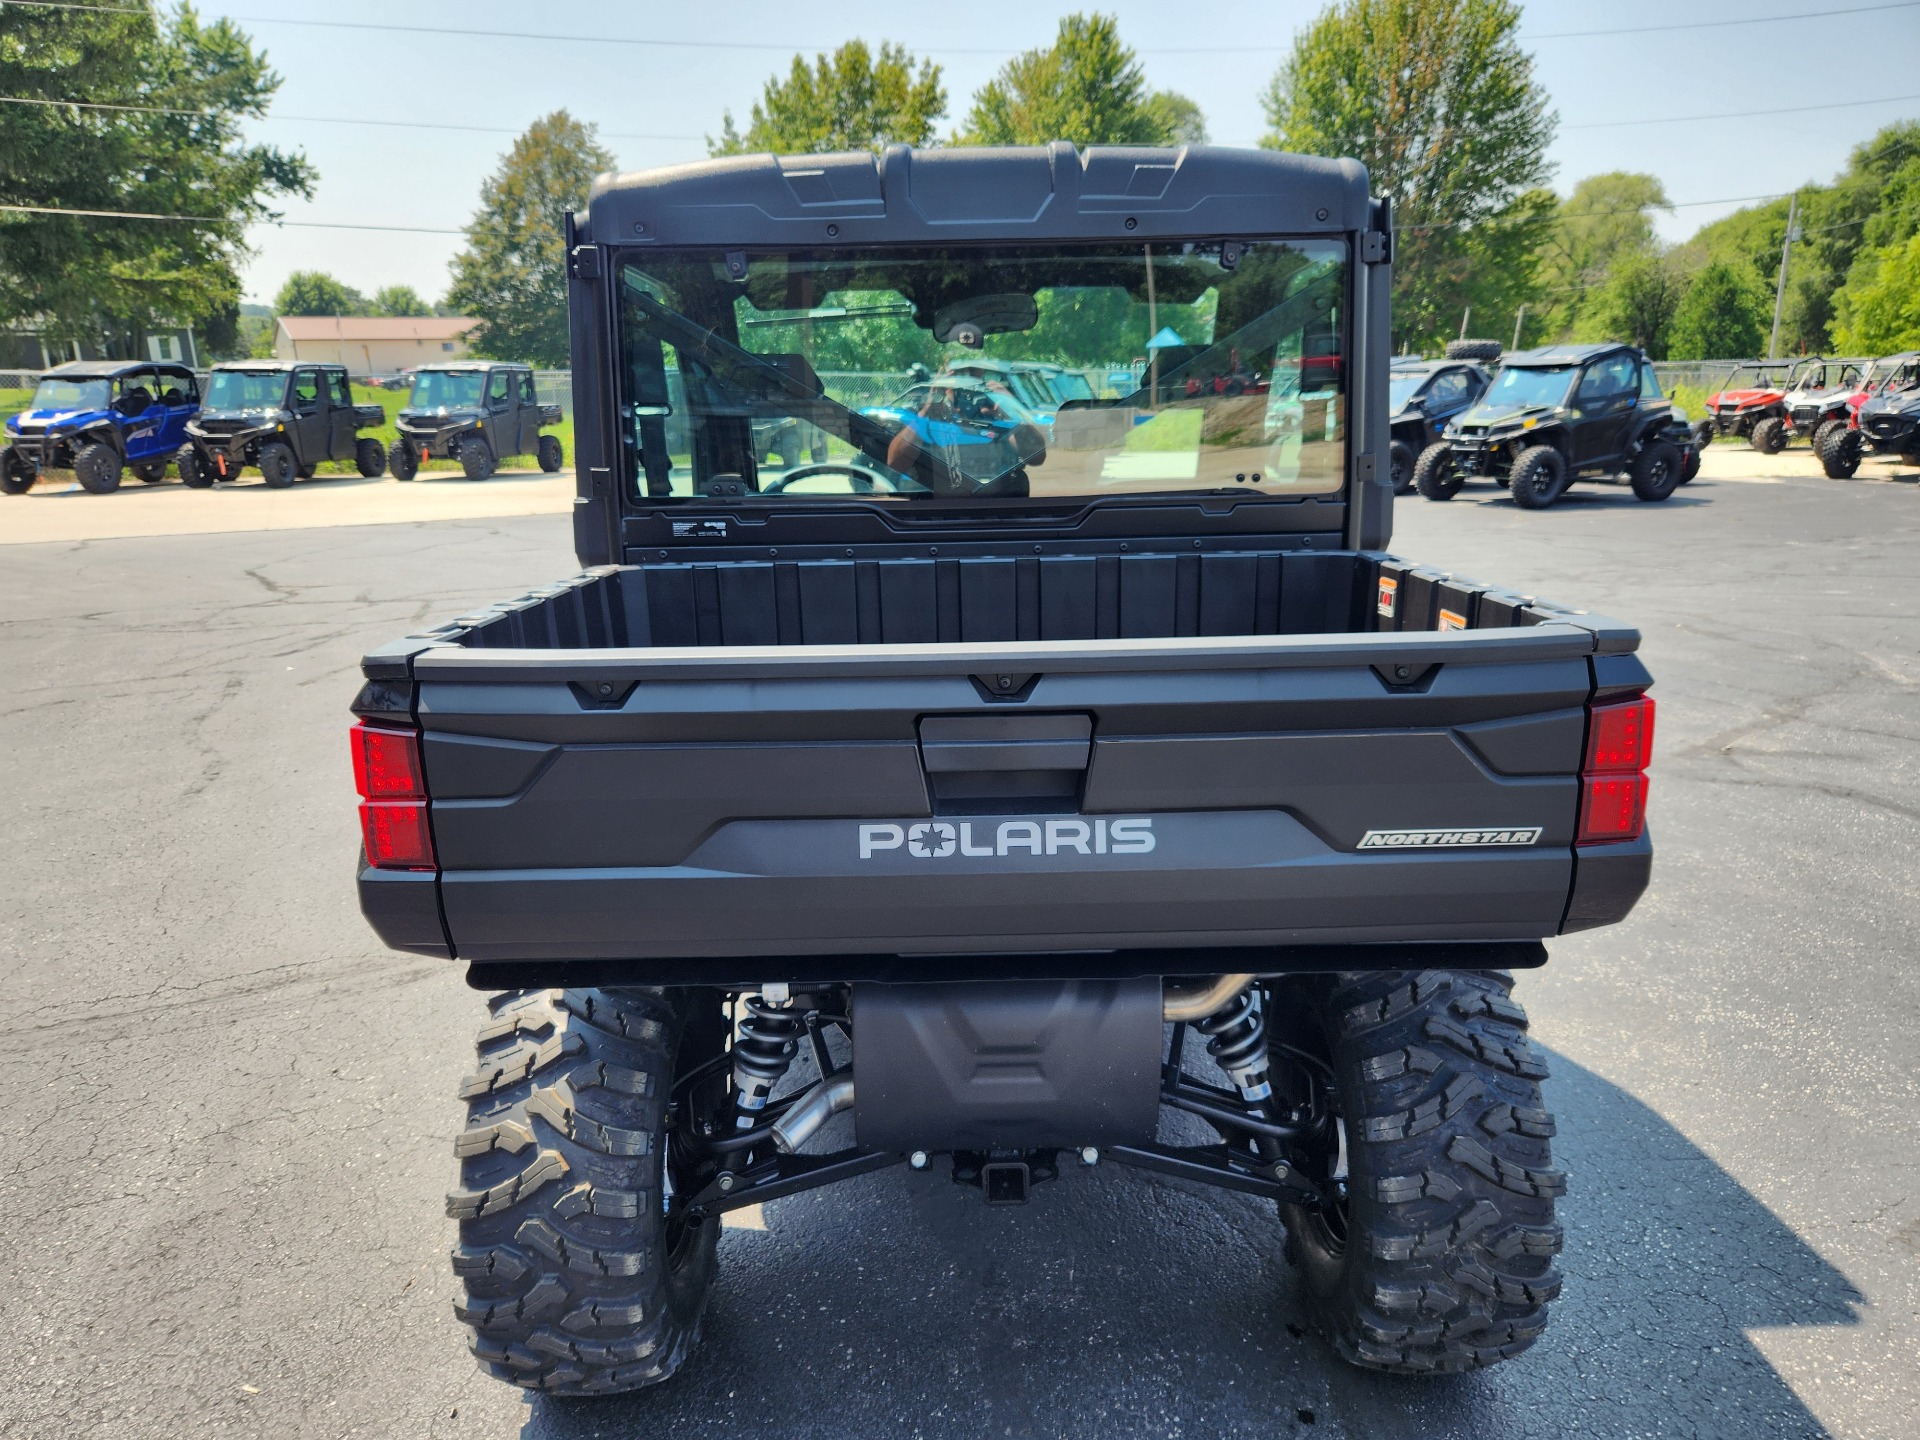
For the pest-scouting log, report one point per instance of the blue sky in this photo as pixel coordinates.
(1220, 54)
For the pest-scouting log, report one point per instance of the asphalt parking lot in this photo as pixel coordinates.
(230, 1112)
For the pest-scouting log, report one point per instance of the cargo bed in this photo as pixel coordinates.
(720, 768)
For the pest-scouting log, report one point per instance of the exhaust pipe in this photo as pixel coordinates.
(811, 1111)
(1190, 1005)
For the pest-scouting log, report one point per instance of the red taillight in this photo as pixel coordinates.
(393, 791)
(386, 763)
(1620, 737)
(396, 834)
(1612, 807)
(1613, 783)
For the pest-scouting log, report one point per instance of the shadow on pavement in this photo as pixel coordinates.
(1120, 1305)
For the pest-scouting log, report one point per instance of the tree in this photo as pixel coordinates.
(178, 152)
(399, 300)
(1440, 102)
(314, 292)
(512, 276)
(847, 101)
(1086, 87)
(1636, 303)
(1723, 316)
(1607, 218)
(1877, 312)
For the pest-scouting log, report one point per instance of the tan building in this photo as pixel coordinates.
(372, 344)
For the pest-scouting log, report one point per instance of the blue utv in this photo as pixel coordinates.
(98, 419)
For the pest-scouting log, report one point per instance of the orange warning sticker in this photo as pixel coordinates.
(1452, 620)
(1389, 595)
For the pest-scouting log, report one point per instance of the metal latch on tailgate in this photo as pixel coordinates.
(985, 763)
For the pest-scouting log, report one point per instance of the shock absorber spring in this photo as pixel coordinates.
(1237, 1040)
(764, 1047)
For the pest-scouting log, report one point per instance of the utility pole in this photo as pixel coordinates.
(1518, 320)
(1464, 316)
(1780, 290)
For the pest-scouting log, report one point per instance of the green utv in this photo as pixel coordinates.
(1557, 415)
(477, 412)
(1009, 813)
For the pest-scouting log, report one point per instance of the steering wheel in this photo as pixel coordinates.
(865, 482)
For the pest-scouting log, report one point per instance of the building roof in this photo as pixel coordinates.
(376, 327)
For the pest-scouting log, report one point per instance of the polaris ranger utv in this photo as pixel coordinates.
(283, 418)
(1000, 801)
(477, 412)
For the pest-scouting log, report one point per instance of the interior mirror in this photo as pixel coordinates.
(969, 322)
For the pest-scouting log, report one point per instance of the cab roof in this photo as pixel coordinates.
(258, 366)
(1563, 354)
(440, 365)
(1008, 194)
(110, 369)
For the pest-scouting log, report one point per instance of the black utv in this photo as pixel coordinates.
(943, 809)
(281, 417)
(1423, 396)
(477, 412)
(1887, 422)
(1560, 414)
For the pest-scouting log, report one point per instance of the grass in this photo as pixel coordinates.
(1169, 430)
(14, 401)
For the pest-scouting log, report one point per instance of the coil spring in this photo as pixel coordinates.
(1237, 1040)
(767, 1041)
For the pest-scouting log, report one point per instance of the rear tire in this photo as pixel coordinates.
(1434, 475)
(1538, 477)
(150, 472)
(552, 457)
(1442, 1257)
(1400, 459)
(576, 1284)
(476, 458)
(1689, 465)
(1656, 471)
(16, 476)
(1703, 435)
(369, 456)
(277, 465)
(97, 467)
(403, 460)
(1769, 437)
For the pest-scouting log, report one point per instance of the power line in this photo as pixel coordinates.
(312, 119)
(1740, 114)
(768, 45)
(649, 135)
(218, 220)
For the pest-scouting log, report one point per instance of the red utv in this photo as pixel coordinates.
(1755, 391)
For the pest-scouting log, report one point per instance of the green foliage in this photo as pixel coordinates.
(1878, 311)
(512, 275)
(399, 300)
(1607, 218)
(314, 292)
(101, 281)
(1439, 101)
(1636, 303)
(851, 100)
(1087, 87)
(1723, 316)
(1180, 119)
(258, 335)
